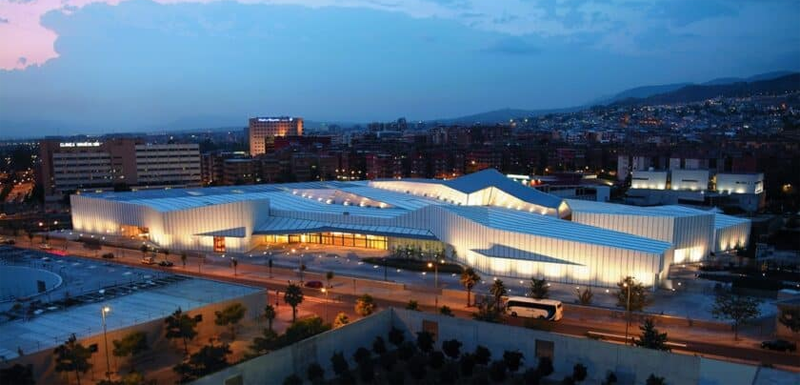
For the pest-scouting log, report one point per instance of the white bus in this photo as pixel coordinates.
(548, 309)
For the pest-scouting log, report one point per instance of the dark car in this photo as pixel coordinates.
(165, 264)
(779, 345)
(108, 255)
(314, 284)
(9, 242)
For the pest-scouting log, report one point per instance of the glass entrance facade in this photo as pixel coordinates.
(334, 238)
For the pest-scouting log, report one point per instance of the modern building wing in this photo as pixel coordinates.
(483, 220)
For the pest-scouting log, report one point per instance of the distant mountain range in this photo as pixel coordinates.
(777, 81)
(696, 93)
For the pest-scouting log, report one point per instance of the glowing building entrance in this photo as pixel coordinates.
(333, 238)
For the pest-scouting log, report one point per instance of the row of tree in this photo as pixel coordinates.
(422, 362)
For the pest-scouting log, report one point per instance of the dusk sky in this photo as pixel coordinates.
(92, 66)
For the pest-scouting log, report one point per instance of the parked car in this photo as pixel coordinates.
(149, 261)
(779, 345)
(45, 246)
(108, 255)
(314, 284)
(166, 264)
(9, 242)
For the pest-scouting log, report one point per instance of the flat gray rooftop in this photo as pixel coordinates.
(131, 304)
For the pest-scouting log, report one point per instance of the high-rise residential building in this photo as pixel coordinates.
(90, 165)
(261, 131)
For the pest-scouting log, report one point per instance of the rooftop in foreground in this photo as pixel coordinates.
(151, 300)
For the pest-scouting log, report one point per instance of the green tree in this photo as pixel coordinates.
(655, 380)
(339, 363)
(72, 356)
(132, 344)
(230, 316)
(412, 305)
(396, 336)
(315, 373)
(498, 290)
(293, 379)
(365, 305)
(184, 257)
(329, 277)
(585, 296)
(487, 312)
(17, 375)
(638, 294)
(513, 359)
(651, 338)
(736, 308)
(266, 342)
(482, 355)
(467, 364)
(790, 317)
(270, 314)
(425, 341)
(497, 371)
(340, 320)
(207, 360)
(469, 278)
(445, 310)
(361, 354)
(452, 348)
(181, 326)
(539, 288)
(293, 296)
(579, 372)
(379, 345)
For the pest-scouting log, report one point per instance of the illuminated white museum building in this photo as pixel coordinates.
(484, 220)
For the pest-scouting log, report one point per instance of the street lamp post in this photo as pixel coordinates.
(105, 310)
(435, 273)
(324, 290)
(628, 308)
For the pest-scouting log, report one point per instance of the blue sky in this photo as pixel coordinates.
(140, 65)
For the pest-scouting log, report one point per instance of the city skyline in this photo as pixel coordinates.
(92, 67)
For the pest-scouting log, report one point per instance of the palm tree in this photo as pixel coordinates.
(293, 297)
(329, 276)
(498, 290)
(166, 255)
(270, 314)
(183, 258)
(469, 278)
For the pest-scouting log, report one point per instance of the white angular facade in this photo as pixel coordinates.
(499, 227)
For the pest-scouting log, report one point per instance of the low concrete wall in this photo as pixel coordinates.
(273, 367)
(44, 364)
(632, 365)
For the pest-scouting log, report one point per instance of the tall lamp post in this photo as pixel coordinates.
(103, 312)
(628, 309)
(325, 291)
(435, 266)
